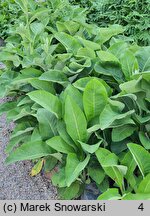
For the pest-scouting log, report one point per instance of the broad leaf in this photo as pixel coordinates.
(145, 140)
(129, 64)
(60, 145)
(97, 174)
(138, 196)
(120, 133)
(112, 113)
(75, 121)
(110, 194)
(74, 167)
(144, 186)
(94, 98)
(54, 76)
(70, 192)
(141, 157)
(47, 100)
(109, 163)
(29, 151)
(90, 148)
(47, 123)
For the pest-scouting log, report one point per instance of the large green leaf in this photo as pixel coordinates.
(75, 121)
(90, 148)
(141, 157)
(97, 174)
(110, 194)
(145, 140)
(111, 113)
(109, 163)
(47, 100)
(54, 76)
(82, 82)
(47, 123)
(106, 33)
(61, 127)
(128, 161)
(106, 56)
(29, 151)
(138, 196)
(74, 167)
(74, 94)
(144, 186)
(129, 64)
(43, 85)
(60, 145)
(120, 133)
(69, 42)
(69, 193)
(143, 58)
(94, 98)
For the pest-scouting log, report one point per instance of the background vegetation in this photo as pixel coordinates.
(134, 15)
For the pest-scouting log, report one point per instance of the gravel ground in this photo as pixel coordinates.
(15, 181)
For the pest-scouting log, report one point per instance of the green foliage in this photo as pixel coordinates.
(81, 103)
(133, 14)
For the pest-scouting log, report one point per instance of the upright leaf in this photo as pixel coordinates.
(129, 64)
(75, 121)
(47, 123)
(94, 98)
(141, 157)
(144, 186)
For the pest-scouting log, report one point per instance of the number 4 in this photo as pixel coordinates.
(141, 207)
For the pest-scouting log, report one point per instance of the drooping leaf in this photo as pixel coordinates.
(120, 133)
(29, 151)
(37, 168)
(69, 42)
(109, 163)
(43, 85)
(111, 113)
(54, 76)
(106, 56)
(110, 194)
(70, 192)
(138, 196)
(97, 174)
(90, 148)
(60, 145)
(106, 33)
(74, 167)
(47, 100)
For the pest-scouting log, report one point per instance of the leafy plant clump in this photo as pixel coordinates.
(134, 15)
(82, 102)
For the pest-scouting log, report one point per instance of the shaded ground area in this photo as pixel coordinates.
(15, 182)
